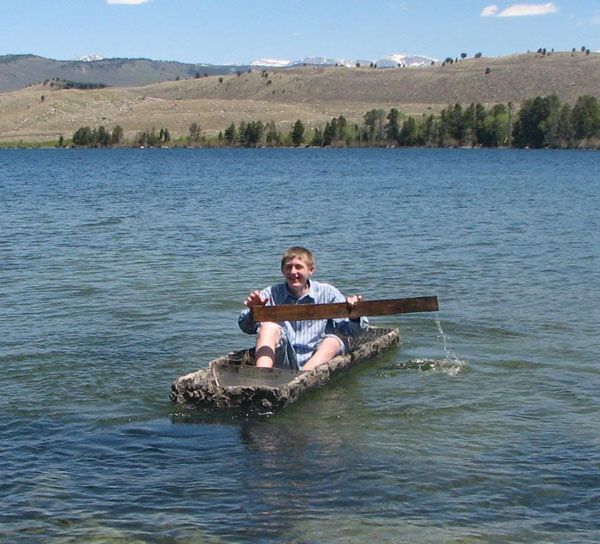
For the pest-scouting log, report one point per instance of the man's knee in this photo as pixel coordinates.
(270, 333)
(332, 344)
(327, 350)
(267, 343)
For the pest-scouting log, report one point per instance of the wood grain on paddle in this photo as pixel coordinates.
(302, 312)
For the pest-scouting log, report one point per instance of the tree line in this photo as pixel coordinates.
(540, 122)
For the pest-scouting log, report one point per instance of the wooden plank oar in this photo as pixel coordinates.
(301, 312)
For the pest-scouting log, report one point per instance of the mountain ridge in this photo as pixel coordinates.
(314, 94)
(391, 61)
(18, 71)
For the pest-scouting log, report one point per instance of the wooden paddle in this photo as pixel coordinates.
(301, 312)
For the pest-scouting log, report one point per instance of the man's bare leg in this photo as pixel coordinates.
(326, 351)
(268, 337)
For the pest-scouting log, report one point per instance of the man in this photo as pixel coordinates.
(301, 345)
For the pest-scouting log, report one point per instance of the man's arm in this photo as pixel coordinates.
(352, 327)
(245, 320)
(349, 327)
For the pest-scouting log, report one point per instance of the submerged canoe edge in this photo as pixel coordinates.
(202, 387)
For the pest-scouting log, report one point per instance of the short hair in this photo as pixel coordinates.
(300, 252)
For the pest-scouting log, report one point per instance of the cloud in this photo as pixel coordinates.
(126, 1)
(596, 20)
(519, 10)
(489, 11)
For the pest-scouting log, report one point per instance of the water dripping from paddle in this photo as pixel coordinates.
(451, 360)
(450, 364)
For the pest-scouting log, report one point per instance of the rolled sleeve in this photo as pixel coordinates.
(246, 323)
(245, 320)
(347, 327)
(352, 328)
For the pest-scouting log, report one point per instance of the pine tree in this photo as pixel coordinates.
(297, 133)
(230, 134)
(117, 135)
(392, 129)
(317, 139)
(273, 137)
(586, 117)
(409, 134)
(330, 132)
(529, 129)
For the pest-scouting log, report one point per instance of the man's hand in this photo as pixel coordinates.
(254, 299)
(352, 300)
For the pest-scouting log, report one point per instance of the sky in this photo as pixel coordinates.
(233, 31)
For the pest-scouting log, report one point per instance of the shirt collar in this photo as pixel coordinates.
(310, 294)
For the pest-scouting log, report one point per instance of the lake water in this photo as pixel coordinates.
(121, 270)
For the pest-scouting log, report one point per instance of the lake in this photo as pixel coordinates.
(121, 270)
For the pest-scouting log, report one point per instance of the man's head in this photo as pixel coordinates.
(297, 266)
(301, 253)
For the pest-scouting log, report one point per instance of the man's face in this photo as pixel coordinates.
(296, 273)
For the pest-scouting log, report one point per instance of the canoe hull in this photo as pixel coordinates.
(232, 382)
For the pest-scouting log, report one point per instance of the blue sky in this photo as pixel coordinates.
(231, 31)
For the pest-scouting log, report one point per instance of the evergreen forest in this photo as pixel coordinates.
(540, 122)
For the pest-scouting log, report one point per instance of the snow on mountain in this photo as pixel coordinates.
(91, 57)
(313, 61)
(323, 61)
(398, 59)
(391, 61)
(275, 63)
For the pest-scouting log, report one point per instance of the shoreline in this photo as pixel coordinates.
(49, 146)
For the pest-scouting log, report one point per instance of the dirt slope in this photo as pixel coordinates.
(311, 94)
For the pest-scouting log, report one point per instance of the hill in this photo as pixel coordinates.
(19, 71)
(312, 94)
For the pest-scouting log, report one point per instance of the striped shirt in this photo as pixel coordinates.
(304, 336)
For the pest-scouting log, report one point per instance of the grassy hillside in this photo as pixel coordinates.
(20, 71)
(312, 94)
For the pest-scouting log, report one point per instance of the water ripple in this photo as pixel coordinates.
(124, 269)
